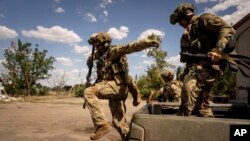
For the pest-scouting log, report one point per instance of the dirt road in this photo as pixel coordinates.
(52, 120)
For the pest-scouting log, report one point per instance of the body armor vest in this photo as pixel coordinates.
(116, 70)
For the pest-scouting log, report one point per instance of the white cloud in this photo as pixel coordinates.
(148, 62)
(175, 60)
(78, 60)
(82, 50)
(65, 61)
(90, 17)
(1, 61)
(105, 13)
(59, 10)
(57, 1)
(138, 67)
(104, 3)
(53, 34)
(7, 33)
(71, 77)
(104, 16)
(144, 56)
(242, 9)
(72, 74)
(120, 33)
(145, 34)
(2, 15)
(205, 1)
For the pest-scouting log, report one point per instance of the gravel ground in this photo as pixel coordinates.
(53, 119)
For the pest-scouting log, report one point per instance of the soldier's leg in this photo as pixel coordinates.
(117, 108)
(208, 79)
(189, 96)
(204, 105)
(94, 106)
(92, 95)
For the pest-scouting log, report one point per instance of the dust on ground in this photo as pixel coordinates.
(53, 118)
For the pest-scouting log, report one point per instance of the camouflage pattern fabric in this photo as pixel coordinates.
(115, 94)
(112, 84)
(196, 94)
(172, 91)
(202, 34)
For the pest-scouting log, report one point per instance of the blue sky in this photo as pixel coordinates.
(63, 27)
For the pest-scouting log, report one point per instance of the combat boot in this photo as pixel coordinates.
(101, 131)
(206, 112)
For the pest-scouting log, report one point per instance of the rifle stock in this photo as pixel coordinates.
(236, 62)
(88, 77)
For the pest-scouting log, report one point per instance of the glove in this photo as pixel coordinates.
(153, 43)
(214, 56)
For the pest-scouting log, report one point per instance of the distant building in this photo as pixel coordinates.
(243, 48)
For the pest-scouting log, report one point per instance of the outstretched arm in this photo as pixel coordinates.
(137, 46)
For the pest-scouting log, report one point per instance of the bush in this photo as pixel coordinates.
(10, 90)
(79, 89)
(43, 90)
(145, 93)
(33, 90)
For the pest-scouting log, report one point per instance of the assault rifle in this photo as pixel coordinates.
(236, 62)
(88, 77)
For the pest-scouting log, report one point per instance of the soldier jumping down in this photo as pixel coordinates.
(113, 82)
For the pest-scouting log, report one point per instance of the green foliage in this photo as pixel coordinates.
(152, 81)
(33, 90)
(67, 88)
(79, 89)
(225, 84)
(25, 66)
(43, 90)
(154, 37)
(144, 86)
(179, 72)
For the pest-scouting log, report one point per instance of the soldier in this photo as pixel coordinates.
(171, 89)
(202, 34)
(113, 82)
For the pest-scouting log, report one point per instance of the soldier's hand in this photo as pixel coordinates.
(214, 56)
(153, 43)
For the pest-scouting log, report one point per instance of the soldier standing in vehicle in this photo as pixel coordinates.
(202, 34)
(113, 82)
(171, 89)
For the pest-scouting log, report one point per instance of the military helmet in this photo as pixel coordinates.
(101, 37)
(181, 11)
(169, 74)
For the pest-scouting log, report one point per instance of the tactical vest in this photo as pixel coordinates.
(116, 70)
(201, 37)
(200, 40)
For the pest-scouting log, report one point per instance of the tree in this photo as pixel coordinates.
(57, 82)
(25, 66)
(226, 84)
(152, 80)
(179, 72)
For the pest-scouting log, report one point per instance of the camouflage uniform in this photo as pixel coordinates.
(203, 33)
(171, 89)
(112, 83)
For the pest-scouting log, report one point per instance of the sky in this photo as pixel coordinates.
(63, 27)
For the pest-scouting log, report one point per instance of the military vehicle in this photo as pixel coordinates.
(157, 121)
